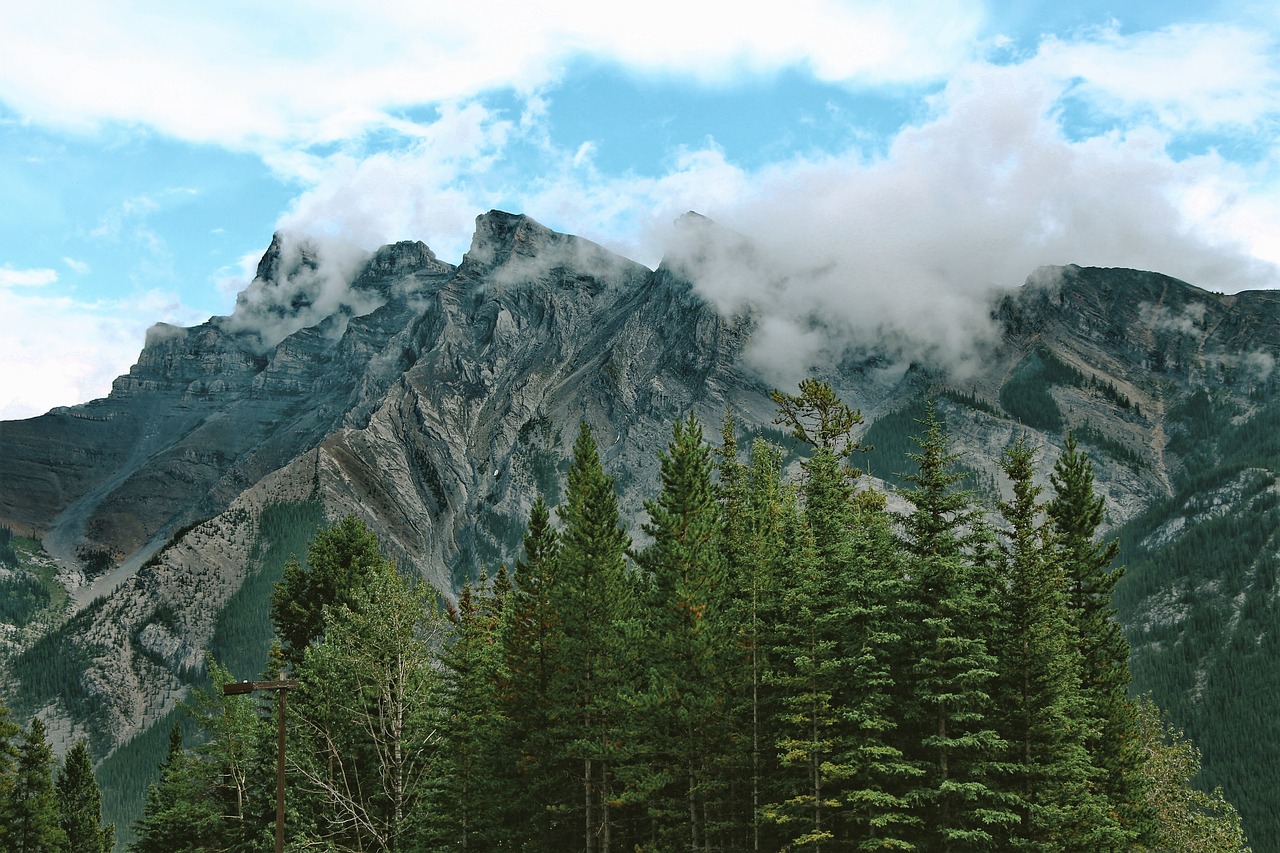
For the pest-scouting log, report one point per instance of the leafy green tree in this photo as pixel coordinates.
(365, 721)
(1184, 818)
(80, 805)
(1045, 718)
(592, 597)
(1076, 513)
(31, 811)
(341, 556)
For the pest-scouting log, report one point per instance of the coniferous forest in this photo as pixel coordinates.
(782, 664)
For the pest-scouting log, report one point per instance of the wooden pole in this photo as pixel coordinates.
(280, 686)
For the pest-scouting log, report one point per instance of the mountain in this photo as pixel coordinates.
(436, 401)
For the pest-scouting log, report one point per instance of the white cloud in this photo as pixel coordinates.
(1185, 77)
(10, 277)
(293, 73)
(58, 351)
(77, 267)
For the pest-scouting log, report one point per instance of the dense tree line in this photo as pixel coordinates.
(782, 665)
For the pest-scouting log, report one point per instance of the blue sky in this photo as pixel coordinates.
(920, 154)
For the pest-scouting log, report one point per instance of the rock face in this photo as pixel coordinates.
(436, 401)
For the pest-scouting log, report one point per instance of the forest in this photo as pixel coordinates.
(783, 665)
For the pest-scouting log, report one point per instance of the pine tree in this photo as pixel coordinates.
(80, 805)
(835, 649)
(31, 812)
(593, 598)
(537, 799)
(9, 730)
(756, 508)
(1045, 718)
(684, 647)
(1076, 513)
(470, 799)
(948, 669)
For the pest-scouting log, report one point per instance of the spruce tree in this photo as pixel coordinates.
(684, 649)
(539, 795)
(9, 730)
(593, 598)
(756, 509)
(80, 805)
(1077, 513)
(31, 813)
(470, 801)
(948, 670)
(1045, 717)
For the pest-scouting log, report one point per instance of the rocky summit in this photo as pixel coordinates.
(435, 402)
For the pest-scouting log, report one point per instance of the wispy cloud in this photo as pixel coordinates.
(10, 277)
(77, 267)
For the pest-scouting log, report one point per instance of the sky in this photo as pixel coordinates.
(892, 163)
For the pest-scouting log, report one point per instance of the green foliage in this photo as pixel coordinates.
(80, 805)
(817, 416)
(31, 817)
(890, 442)
(50, 669)
(1186, 819)
(786, 666)
(22, 597)
(337, 562)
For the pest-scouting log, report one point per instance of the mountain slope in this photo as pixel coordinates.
(434, 401)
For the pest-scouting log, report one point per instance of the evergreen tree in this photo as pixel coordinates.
(31, 812)
(9, 730)
(183, 811)
(470, 800)
(537, 800)
(756, 508)
(834, 653)
(80, 805)
(684, 649)
(1045, 718)
(339, 558)
(1076, 513)
(948, 669)
(593, 598)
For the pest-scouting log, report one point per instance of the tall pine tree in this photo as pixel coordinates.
(685, 646)
(31, 812)
(80, 805)
(948, 670)
(593, 598)
(1077, 513)
(1045, 717)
